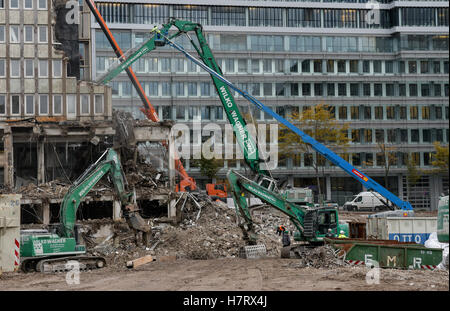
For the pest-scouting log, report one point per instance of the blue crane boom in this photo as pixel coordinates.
(366, 181)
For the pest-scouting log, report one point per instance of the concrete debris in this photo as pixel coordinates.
(324, 257)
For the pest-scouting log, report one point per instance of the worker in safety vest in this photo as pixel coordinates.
(330, 233)
(281, 229)
(342, 235)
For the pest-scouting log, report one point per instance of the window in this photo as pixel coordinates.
(15, 68)
(293, 67)
(379, 135)
(255, 66)
(438, 113)
(424, 67)
(366, 89)
(166, 89)
(165, 64)
(2, 104)
(15, 104)
(28, 33)
(84, 102)
(425, 113)
(318, 89)
(14, 34)
(267, 65)
(306, 89)
(389, 89)
(2, 68)
(379, 113)
(330, 89)
(343, 113)
(367, 113)
(402, 113)
(413, 89)
(28, 4)
(294, 89)
(425, 90)
(317, 65)
(402, 89)
(426, 136)
(306, 66)
(267, 89)
(192, 89)
(390, 112)
(13, 4)
(42, 4)
(356, 136)
(57, 68)
(280, 89)
(71, 104)
(43, 104)
(242, 65)
(342, 89)
(412, 66)
(415, 136)
(401, 66)
(2, 33)
(152, 64)
(368, 135)
(57, 104)
(279, 65)
(179, 89)
(229, 65)
(178, 64)
(205, 89)
(354, 112)
(413, 113)
(403, 135)
(437, 67)
(29, 68)
(377, 66)
(180, 112)
(377, 89)
(437, 90)
(366, 66)
(98, 104)
(42, 34)
(206, 112)
(43, 68)
(330, 65)
(389, 66)
(354, 66)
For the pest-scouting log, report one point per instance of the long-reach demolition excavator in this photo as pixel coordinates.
(187, 183)
(52, 250)
(312, 223)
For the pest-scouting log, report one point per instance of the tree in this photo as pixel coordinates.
(387, 158)
(440, 158)
(208, 167)
(319, 123)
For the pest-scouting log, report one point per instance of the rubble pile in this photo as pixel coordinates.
(50, 190)
(207, 231)
(319, 257)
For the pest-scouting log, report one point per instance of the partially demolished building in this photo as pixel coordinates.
(54, 122)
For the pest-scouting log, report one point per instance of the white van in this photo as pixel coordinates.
(365, 201)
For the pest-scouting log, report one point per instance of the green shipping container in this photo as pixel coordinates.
(388, 253)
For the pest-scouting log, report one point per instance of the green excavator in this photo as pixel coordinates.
(53, 250)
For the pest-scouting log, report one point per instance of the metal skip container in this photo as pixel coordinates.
(9, 232)
(401, 229)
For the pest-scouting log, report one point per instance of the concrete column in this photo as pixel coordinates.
(400, 187)
(9, 158)
(171, 163)
(328, 186)
(41, 162)
(45, 213)
(117, 210)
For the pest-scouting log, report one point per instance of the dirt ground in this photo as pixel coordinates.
(269, 274)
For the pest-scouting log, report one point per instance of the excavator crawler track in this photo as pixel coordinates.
(62, 264)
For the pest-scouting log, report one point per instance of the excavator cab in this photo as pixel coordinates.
(268, 183)
(327, 219)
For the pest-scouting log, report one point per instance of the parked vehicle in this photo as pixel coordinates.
(364, 201)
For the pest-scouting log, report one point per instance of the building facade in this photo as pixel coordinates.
(48, 116)
(383, 68)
